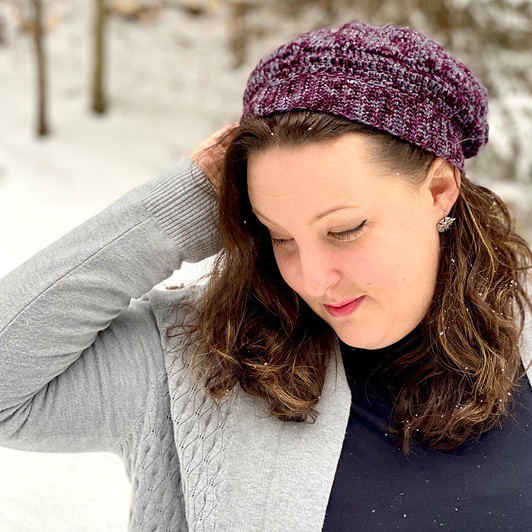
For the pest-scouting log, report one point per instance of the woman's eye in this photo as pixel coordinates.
(342, 236)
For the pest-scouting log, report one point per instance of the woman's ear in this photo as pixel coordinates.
(444, 182)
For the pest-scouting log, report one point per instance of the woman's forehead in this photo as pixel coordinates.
(325, 171)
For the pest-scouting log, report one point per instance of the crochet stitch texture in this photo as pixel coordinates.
(392, 78)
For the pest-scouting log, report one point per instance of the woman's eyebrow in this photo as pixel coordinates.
(317, 218)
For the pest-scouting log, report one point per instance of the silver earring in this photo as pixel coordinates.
(444, 223)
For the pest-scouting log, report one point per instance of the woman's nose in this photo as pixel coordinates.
(318, 272)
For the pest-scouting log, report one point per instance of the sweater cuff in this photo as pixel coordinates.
(186, 206)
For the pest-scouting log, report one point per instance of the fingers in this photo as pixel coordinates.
(210, 153)
(219, 138)
(223, 139)
(226, 129)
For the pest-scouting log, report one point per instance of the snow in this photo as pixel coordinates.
(170, 85)
(62, 492)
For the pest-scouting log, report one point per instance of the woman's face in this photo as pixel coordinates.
(343, 230)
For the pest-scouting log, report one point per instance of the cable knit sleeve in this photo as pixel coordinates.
(80, 351)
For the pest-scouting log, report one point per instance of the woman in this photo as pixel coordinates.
(356, 360)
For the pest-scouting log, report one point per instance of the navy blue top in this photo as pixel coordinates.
(480, 486)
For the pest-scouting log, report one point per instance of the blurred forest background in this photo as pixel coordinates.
(98, 96)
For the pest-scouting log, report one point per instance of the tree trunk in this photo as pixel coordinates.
(42, 125)
(2, 30)
(238, 31)
(329, 7)
(99, 102)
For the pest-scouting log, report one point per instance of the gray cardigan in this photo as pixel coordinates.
(85, 366)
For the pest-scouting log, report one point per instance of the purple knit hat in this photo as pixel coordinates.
(392, 78)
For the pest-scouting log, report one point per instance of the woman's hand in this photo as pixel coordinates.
(209, 155)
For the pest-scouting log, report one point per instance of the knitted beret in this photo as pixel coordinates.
(392, 78)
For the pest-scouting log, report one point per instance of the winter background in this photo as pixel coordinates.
(175, 73)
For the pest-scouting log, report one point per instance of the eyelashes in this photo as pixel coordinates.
(342, 236)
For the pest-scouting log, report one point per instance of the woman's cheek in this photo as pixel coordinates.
(365, 269)
(368, 275)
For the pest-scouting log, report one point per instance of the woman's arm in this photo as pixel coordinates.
(78, 361)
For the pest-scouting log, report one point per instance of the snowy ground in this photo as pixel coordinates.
(170, 86)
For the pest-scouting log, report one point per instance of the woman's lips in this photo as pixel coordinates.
(345, 309)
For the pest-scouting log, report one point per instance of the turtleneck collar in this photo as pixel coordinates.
(364, 363)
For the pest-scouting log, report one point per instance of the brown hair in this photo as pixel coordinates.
(456, 381)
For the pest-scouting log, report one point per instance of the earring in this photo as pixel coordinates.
(444, 223)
